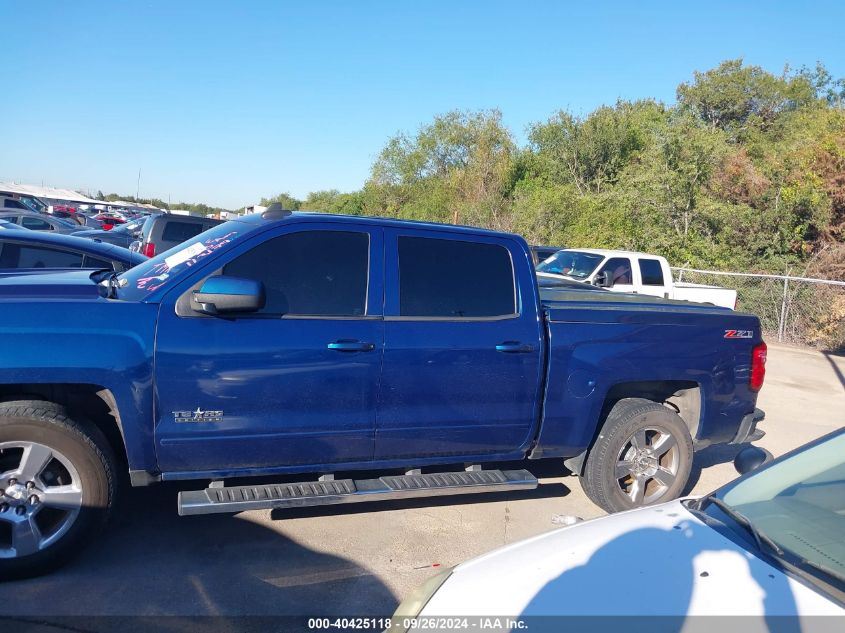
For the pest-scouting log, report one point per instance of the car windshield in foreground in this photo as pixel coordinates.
(571, 263)
(797, 509)
(138, 282)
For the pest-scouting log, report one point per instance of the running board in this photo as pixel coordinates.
(318, 493)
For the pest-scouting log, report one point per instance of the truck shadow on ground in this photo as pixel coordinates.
(151, 562)
(711, 456)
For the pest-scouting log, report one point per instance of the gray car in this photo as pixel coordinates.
(40, 222)
(162, 232)
(121, 235)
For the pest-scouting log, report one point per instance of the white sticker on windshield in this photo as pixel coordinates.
(184, 255)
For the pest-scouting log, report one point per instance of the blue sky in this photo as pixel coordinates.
(226, 102)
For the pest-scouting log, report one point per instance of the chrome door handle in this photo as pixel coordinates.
(514, 347)
(351, 346)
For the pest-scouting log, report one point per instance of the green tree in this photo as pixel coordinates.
(733, 97)
(287, 201)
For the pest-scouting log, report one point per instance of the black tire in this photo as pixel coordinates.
(80, 445)
(627, 466)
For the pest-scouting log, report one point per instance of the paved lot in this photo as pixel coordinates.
(355, 559)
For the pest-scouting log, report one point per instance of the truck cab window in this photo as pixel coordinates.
(619, 270)
(652, 272)
(451, 278)
(309, 273)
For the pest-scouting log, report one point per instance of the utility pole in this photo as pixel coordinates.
(138, 188)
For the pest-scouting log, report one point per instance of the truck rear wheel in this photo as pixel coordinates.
(57, 485)
(641, 457)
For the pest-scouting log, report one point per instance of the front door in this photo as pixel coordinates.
(620, 272)
(292, 385)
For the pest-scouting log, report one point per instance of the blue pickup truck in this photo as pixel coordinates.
(301, 343)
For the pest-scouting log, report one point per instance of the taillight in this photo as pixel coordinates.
(758, 367)
(149, 249)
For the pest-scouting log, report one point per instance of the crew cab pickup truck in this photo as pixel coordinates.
(624, 271)
(241, 353)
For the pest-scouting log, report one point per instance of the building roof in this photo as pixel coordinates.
(50, 193)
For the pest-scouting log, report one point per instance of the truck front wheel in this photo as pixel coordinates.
(642, 456)
(57, 482)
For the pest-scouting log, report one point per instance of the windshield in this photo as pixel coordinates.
(571, 263)
(799, 503)
(34, 203)
(138, 282)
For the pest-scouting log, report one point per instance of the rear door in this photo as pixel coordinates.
(463, 347)
(294, 384)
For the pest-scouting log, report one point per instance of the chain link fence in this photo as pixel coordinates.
(798, 310)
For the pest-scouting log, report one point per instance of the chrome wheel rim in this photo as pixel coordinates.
(647, 465)
(40, 497)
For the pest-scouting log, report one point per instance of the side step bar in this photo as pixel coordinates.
(317, 493)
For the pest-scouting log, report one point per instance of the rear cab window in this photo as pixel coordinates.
(651, 272)
(454, 279)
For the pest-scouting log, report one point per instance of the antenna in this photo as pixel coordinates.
(275, 212)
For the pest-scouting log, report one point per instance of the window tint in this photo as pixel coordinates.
(450, 278)
(175, 231)
(94, 262)
(20, 256)
(651, 272)
(619, 270)
(316, 273)
(36, 224)
(10, 203)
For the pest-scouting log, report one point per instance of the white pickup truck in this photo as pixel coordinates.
(624, 271)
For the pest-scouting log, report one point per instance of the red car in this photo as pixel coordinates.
(109, 221)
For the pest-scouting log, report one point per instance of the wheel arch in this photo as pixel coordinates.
(94, 404)
(682, 396)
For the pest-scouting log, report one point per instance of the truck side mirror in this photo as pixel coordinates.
(228, 295)
(603, 280)
(750, 458)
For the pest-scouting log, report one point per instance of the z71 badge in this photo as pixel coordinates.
(198, 416)
(739, 334)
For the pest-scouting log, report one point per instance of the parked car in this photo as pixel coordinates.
(542, 253)
(164, 231)
(239, 353)
(5, 224)
(121, 235)
(109, 220)
(624, 271)
(770, 543)
(8, 202)
(36, 250)
(23, 202)
(40, 222)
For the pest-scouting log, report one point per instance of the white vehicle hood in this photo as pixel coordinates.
(653, 561)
